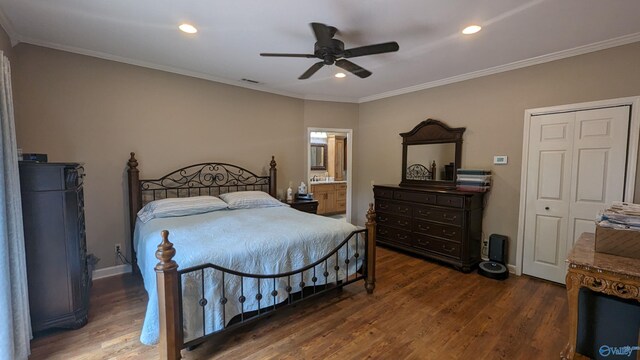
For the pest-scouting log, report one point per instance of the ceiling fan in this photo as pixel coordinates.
(331, 51)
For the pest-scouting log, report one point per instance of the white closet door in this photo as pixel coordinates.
(599, 162)
(577, 163)
(548, 195)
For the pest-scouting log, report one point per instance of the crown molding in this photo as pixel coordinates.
(580, 50)
(176, 70)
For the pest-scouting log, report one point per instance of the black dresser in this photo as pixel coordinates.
(54, 230)
(445, 225)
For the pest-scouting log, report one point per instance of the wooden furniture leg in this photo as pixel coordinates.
(573, 281)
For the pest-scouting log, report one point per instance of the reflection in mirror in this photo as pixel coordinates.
(318, 154)
(431, 161)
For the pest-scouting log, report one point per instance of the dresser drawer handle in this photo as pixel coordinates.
(423, 227)
(451, 234)
(424, 242)
(424, 213)
(444, 247)
(401, 237)
(383, 219)
(383, 206)
(403, 210)
(383, 231)
(450, 218)
(403, 222)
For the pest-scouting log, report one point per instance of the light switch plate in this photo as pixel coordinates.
(500, 159)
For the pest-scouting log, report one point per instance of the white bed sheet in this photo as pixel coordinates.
(259, 241)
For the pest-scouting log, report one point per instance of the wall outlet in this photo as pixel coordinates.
(484, 251)
(118, 248)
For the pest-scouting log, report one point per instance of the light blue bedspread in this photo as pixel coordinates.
(259, 241)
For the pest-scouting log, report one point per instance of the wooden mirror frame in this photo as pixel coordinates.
(325, 157)
(432, 131)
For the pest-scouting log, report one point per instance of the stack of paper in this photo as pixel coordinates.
(620, 215)
(473, 180)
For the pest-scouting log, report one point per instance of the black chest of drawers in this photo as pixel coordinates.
(445, 225)
(55, 244)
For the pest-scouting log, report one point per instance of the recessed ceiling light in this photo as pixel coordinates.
(472, 29)
(340, 75)
(188, 28)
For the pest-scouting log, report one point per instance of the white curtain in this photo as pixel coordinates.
(15, 324)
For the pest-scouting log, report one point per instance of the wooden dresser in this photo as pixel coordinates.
(444, 225)
(55, 244)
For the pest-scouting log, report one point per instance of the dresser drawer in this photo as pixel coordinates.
(438, 246)
(453, 217)
(341, 194)
(341, 186)
(393, 220)
(383, 193)
(451, 201)
(418, 197)
(388, 234)
(442, 231)
(392, 208)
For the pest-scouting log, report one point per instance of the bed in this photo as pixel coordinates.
(228, 267)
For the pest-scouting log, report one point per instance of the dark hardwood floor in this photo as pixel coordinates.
(419, 310)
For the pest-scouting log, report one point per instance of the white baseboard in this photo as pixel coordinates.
(111, 271)
(512, 268)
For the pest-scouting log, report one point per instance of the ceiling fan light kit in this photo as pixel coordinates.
(332, 52)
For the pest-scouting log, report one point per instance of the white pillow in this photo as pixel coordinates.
(180, 207)
(250, 200)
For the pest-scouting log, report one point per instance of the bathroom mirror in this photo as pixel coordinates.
(318, 154)
(431, 153)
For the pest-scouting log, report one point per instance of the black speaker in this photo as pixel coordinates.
(498, 248)
(495, 268)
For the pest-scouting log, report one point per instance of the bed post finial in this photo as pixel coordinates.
(133, 162)
(370, 281)
(135, 203)
(273, 183)
(168, 304)
(165, 254)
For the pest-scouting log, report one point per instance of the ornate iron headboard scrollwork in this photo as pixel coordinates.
(202, 179)
(420, 172)
(193, 180)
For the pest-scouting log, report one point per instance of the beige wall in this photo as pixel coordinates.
(84, 109)
(492, 110)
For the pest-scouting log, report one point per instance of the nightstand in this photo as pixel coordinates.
(310, 206)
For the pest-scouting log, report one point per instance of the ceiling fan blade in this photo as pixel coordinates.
(288, 55)
(323, 33)
(353, 68)
(372, 49)
(312, 70)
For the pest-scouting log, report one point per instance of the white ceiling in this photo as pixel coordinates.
(231, 34)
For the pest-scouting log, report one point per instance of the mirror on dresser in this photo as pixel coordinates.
(431, 153)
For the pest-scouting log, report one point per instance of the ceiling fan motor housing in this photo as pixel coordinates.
(329, 53)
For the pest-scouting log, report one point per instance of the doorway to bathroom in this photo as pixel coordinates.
(329, 170)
